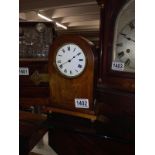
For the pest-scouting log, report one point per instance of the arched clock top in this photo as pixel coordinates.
(123, 53)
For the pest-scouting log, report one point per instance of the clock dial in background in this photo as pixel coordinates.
(35, 39)
(125, 46)
(41, 27)
(70, 60)
(124, 39)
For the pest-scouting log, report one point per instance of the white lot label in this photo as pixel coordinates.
(23, 71)
(118, 66)
(81, 103)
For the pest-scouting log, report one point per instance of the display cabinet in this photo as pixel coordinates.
(35, 39)
(115, 91)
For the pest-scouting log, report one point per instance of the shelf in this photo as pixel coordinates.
(92, 116)
(33, 59)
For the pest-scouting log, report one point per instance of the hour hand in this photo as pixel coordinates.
(128, 38)
(123, 34)
(61, 65)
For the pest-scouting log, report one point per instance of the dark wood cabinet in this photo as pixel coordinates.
(34, 87)
(109, 78)
(31, 129)
(35, 39)
(82, 144)
(115, 91)
(68, 135)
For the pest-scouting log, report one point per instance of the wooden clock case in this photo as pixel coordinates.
(120, 80)
(64, 90)
(115, 91)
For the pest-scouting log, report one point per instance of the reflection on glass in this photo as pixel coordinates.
(34, 41)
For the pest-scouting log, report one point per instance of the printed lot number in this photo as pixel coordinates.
(82, 103)
(118, 66)
(23, 71)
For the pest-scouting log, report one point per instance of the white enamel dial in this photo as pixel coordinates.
(125, 46)
(70, 60)
(124, 39)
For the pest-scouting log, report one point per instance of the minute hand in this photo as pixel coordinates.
(128, 38)
(75, 55)
(70, 59)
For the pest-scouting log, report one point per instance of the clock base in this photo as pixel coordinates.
(92, 116)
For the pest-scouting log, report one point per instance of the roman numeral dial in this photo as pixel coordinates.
(125, 46)
(70, 60)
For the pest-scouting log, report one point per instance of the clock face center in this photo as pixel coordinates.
(70, 60)
(128, 51)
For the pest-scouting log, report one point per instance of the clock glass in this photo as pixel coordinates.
(70, 60)
(40, 27)
(124, 40)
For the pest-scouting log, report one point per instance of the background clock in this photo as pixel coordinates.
(117, 39)
(70, 60)
(71, 70)
(40, 27)
(124, 39)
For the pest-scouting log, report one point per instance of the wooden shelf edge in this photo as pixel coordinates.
(33, 117)
(33, 59)
(92, 117)
(33, 101)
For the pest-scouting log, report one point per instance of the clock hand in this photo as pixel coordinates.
(70, 59)
(74, 57)
(123, 34)
(66, 62)
(128, 38)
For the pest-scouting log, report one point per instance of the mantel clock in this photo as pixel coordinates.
(71, 70)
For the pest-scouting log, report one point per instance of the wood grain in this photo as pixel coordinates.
(63, 90)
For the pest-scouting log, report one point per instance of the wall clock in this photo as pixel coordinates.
(71, 70)
(124, 39)
(117, 36)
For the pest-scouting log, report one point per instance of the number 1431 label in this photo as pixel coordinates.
(118, 66)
